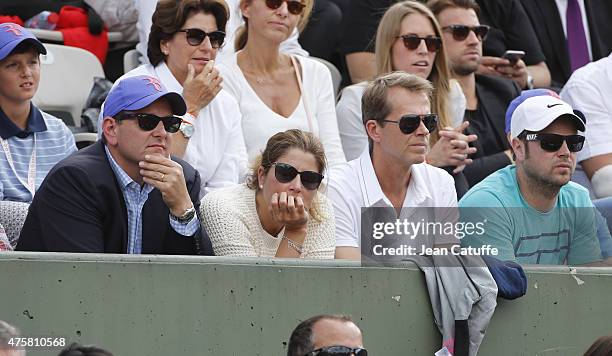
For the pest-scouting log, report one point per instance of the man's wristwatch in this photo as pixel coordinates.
(185, 218)
(529, 81)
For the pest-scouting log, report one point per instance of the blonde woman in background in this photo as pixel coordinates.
(277, 91)
(279, 211)
(409, 39)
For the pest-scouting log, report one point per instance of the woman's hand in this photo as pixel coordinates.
(289, 211)
(452, 149)
(201, 89)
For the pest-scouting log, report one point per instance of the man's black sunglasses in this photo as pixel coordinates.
(409, 123)
(195, 37)
(461, 32)
(148, 122)
(553, 142)
(413, 42)
(338, 351)
(285, 173)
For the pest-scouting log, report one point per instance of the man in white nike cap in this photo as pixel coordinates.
(533, 214)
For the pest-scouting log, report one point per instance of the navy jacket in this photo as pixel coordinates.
(80, 208)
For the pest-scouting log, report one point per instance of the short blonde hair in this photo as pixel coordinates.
(388, 31)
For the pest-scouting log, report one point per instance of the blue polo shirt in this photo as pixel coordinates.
(53, 141)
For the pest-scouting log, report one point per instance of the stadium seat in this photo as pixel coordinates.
(335, 74)
(130, 60)
(12, 217)
(67, 76)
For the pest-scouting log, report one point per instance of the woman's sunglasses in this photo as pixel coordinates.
(294, 7)
(285, 173)
(338, 351)
(553, 142)
(195, 37)
(461, 32)
(409, 123)
(413, 42)
(148, 122)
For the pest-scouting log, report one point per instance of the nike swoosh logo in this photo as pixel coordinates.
(551, 105)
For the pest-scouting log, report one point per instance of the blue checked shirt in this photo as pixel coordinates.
(135, 198)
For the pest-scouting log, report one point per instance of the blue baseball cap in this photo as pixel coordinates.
(526, 94)
(135, 93)
(11, 35)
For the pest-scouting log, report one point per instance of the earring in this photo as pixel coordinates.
(261, 186)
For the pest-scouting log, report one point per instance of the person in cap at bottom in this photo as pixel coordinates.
(531, 211)
(123, 194)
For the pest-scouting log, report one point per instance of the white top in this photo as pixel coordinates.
(588, 90)
(562, 7)
(146, 9)
(352, 131)
(354, 185)
(259, 122)
(230, 218)
(216, 149)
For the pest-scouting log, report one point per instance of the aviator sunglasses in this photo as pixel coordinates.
(338, 351)
(413, 42)
(553, 142)
(148, 122)
(461, 32)
(409, 123)
(294, 7)
(195, 37)
(285, 173)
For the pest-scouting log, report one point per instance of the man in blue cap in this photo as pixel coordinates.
(123, 194)
(32, 141)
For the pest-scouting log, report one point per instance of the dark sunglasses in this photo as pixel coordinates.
(338, 351)
(409, 123)
(553, 142)
(294, 7)
(285, 173)
(413, 42)
(461, 32)
(195, 37)
(148, 122)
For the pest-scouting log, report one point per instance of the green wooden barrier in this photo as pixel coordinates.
(166, 305)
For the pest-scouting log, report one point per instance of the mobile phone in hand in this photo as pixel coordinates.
(513, 56)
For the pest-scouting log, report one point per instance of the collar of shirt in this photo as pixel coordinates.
(36, 123)
(123, 178)
(417, 193)
(165, 76)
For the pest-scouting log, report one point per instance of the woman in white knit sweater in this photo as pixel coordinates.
(279, 211)
(276, 91)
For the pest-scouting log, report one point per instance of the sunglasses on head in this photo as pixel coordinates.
(285, 173)
(553, 142)
(148, 122)
(409, 123)
(293, 6)
(338, 351)
(413, 42)
(461, 32)
(195, 37)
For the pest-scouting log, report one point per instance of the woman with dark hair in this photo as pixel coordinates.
(277, 91)
(183, 44)
(601, 347)
(279, 212)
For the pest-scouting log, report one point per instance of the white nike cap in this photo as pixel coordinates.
(536, 113)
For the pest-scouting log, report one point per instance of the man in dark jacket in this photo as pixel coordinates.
(123, 194)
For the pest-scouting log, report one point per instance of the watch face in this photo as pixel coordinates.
(187, 130)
